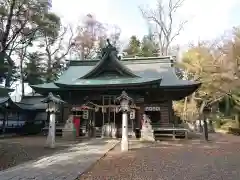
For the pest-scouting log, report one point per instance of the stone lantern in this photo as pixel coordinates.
(125, 102)
(53, 103)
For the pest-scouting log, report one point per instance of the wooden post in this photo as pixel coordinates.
(109, 102)
(93, 123)
(114, 130)
(174, 134)
(114, 113)
(140, 113)
(103, 120)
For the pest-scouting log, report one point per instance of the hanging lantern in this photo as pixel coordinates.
(85, 114)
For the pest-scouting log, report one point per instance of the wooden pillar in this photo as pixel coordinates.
(103, 120)
(139, 115)
(93, 123)
(62, 113)
(170, 112)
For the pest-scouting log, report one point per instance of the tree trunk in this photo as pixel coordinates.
(23, 88)
(237, 120)
(201, 115)
(49, 67)
(4, 122)
(22, 56)
(185, 108)
(205, 128)
(8, 77)
(22, 78)
(227, 106)
(4, 42)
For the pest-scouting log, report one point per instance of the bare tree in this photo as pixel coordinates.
(91, 36)
(56, 50)
(19, 21)
(163, 18)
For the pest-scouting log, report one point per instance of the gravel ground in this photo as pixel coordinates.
(14, 151)
(189, 160)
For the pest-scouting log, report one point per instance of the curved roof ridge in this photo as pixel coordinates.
(110, 55)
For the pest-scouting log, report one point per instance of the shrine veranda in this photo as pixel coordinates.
(90, 88)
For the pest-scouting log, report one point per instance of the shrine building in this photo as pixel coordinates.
(90, 88)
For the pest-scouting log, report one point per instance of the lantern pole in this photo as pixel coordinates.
(52, 129)
(53, 103)
(125, 102)
(124, 142)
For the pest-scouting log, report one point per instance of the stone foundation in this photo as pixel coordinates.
(147, 135)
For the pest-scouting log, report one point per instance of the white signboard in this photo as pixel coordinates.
(132, 114)
(152, 108)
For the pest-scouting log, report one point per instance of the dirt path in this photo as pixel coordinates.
(216, 160)
(14, 151)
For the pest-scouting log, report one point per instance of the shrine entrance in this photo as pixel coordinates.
(109, 111)
(103, 118)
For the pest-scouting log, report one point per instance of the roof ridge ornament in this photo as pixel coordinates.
(109, 49)
(52, 98)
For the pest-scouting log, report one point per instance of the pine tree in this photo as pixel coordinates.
(134, 46)
(34, 71)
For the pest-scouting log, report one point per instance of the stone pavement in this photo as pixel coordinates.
(64, 165)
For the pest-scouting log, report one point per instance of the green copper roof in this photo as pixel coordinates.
(19, 105)
(4, 91)
(45, 86)
(112, 82)
(4, 100)
(109, 62)
(74, 72)
(161, 67)
(147, 69)
(157, 69)
(110, 71)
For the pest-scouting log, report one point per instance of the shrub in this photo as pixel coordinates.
(217, 123)
(235, 131)
(31, 128)
(229, 124)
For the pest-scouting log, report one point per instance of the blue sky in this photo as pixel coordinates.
(207, 18)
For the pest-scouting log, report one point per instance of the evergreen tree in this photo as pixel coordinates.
(148, 47)
(134, 47)
(34, 70)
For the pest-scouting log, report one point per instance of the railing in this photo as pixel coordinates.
(169, 130)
